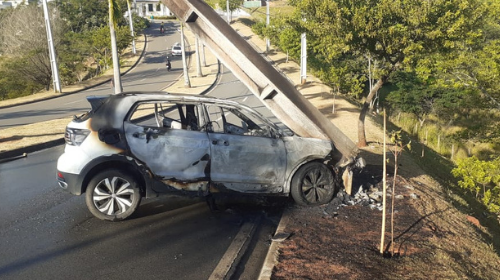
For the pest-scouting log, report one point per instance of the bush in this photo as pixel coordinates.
(140, 23)
(481, 178)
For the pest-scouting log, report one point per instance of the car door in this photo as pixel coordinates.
(169, 142)
(246, 155)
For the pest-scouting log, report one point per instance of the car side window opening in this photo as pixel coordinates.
(229, 120)
(168, 115)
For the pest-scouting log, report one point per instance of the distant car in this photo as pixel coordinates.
(176, 49)
(135, 145)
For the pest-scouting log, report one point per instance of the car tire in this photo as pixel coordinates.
(112, 195)
(313, 184)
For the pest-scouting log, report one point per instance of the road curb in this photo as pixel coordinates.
(227, 265)
(272, 254)
(16, 153)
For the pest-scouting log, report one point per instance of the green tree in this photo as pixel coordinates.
(395, 33)
(481, 178)
(233, 5)
(26, 41)
(411, 94)
(82, 15)
(12, 84)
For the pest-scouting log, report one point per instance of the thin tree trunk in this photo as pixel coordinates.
(384, 189)
(392, 198)
(364, 110)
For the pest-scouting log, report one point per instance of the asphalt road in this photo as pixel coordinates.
(47, 233)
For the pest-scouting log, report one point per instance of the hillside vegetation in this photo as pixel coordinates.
(433, 65)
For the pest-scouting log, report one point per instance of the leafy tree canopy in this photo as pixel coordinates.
(82, 15)
(233, 4)
(394, 32)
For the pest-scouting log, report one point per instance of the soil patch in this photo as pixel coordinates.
(341, 240)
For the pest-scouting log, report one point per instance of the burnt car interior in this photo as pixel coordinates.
(189, 116)
(233, 121)
(167, 115)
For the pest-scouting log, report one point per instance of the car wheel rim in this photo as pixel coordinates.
(113, 197)
(316, 185)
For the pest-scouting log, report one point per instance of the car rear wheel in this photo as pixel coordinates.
(112, 195)
(313, 184)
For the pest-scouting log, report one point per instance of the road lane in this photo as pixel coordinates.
(49, 234)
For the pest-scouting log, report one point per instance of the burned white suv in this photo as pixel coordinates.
(135, 145)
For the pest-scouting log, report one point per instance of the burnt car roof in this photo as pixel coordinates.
(111, 110)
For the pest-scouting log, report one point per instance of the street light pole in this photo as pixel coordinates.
(52, 51)
(131, 24)
(203, 60)
(303, 58)
(268, 42)
(198, 57)
(187, 83)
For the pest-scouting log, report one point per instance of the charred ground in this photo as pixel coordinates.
(432, 239)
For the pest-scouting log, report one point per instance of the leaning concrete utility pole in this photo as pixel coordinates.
(52, 51)
(262, 79)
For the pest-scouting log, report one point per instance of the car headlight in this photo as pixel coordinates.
(74, 136)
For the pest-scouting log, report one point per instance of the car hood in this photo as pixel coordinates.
(300, 149)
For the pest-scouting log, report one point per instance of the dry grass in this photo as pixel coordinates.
(27, 135)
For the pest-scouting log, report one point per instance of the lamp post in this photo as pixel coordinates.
(198, 57)
(131, 24)
(52, 51)
(187, 83)
(303, 57)
(268, 42)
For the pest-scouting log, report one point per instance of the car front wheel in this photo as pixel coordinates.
(112, 195)
(313, 184)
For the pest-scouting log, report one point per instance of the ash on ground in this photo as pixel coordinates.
(367, 190)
